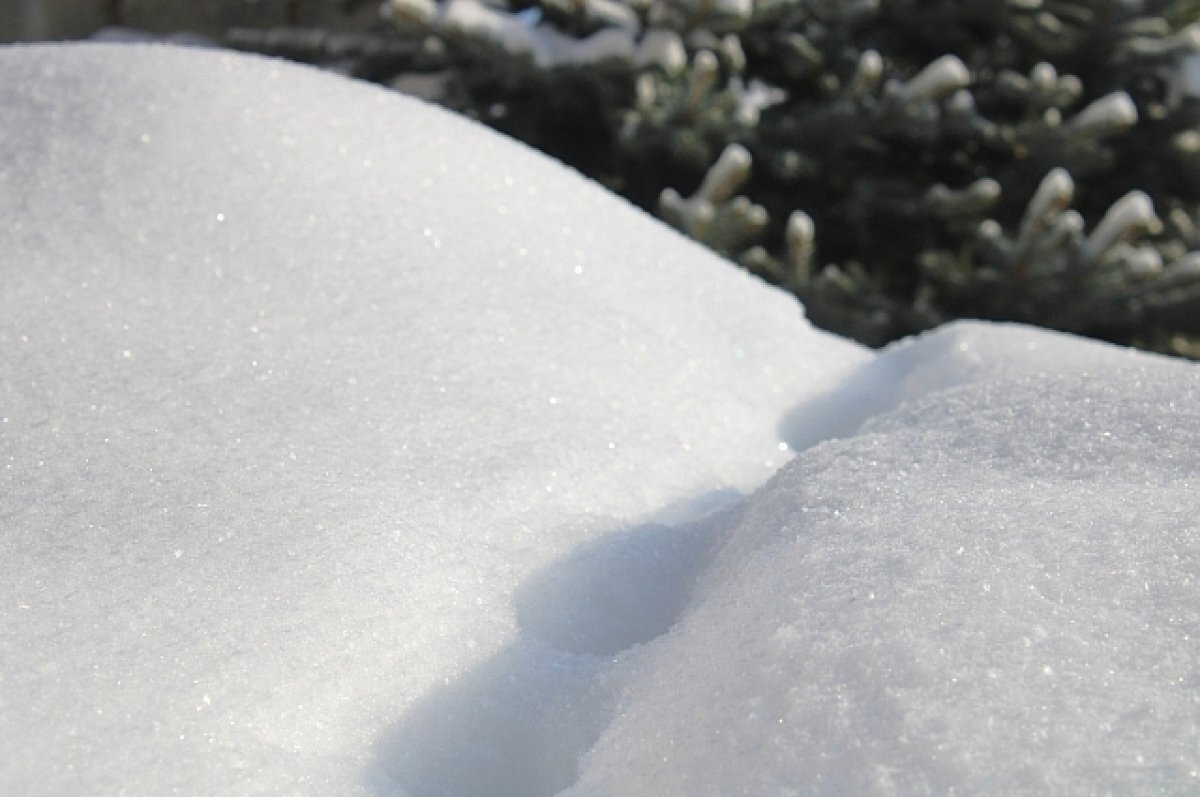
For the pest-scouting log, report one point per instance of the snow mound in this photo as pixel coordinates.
(990, 589)
(302, 379)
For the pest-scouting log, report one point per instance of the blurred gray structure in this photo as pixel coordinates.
(41, 20)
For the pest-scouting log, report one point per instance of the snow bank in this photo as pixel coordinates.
(993, 588)
(302, 379)
(349, 448)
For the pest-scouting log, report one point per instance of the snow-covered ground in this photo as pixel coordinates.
(350, 449)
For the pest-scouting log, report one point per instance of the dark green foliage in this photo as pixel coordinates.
(895, 163)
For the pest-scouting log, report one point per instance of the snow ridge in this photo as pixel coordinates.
(303, 381)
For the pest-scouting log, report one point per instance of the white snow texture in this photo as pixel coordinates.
(349, 448)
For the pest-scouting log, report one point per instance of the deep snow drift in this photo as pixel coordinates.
(349, 448)
(992, 589)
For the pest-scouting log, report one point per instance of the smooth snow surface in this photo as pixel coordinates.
(351, 449)
(304, 384)
(993, 588)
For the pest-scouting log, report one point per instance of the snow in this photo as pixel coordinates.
(990, 589)
(349, 448)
